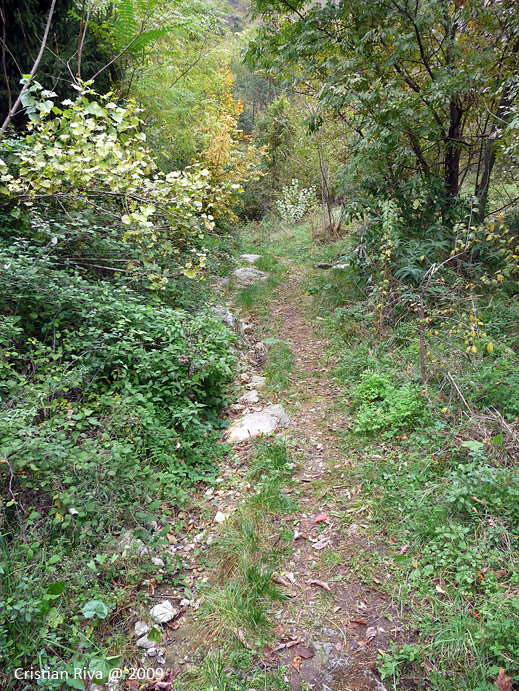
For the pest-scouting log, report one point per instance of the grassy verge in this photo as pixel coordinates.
(239, 604)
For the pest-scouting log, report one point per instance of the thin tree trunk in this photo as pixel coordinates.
(453, 152)
(14, 109)
(489, 155)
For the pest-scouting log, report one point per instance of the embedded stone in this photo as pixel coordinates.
(251, 258)
(248, 275)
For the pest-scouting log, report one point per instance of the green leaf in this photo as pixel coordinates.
(155, 635)
(104, 666)
(95, 608)
(56, 588)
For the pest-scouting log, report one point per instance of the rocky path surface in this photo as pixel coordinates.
(337, 617)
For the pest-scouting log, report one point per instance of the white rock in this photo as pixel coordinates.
(127, 543)
(157, 561)
(145, 643)
(163, 612)
(252, 425)
(220, 517)
(237, 407)
(248, 275)
(277, 411)
(161, 659)
(251, 258)
(249, 397)
(257, 382)
(151, 652)
(185, 602)
(225, 315)
(141, 628)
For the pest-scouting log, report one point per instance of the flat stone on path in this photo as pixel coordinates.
(257, 381)
(248, 275)
(249, 397)
(277, 411)
(266, 422)
(251, 258)
(252, 425)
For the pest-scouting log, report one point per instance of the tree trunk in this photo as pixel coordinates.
(453, 152)
(489, 156)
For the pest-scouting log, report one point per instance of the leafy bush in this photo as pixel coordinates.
(381, 406)
(496, 384)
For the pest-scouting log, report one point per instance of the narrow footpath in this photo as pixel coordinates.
(336, 617)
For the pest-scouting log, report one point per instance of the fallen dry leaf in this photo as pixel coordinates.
(429, 665)
(503, 682)
(282, 581)
(300, 534)
(241, 637)
(321, 544)
(403, 549)
(321, 584)
(290, 643)
(305, 652)
(296, 663)
(279, 630)
(321, 518)
(439, 589)
(269, 656)
(358, 622)
(371, 632)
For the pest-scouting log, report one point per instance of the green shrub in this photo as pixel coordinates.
(381, 406)
(496, 385)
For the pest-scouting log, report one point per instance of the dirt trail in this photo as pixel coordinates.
(336, 611)
(347, 625)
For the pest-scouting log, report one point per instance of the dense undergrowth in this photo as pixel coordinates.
(110, 402)
(438, 461)
(113, 373)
